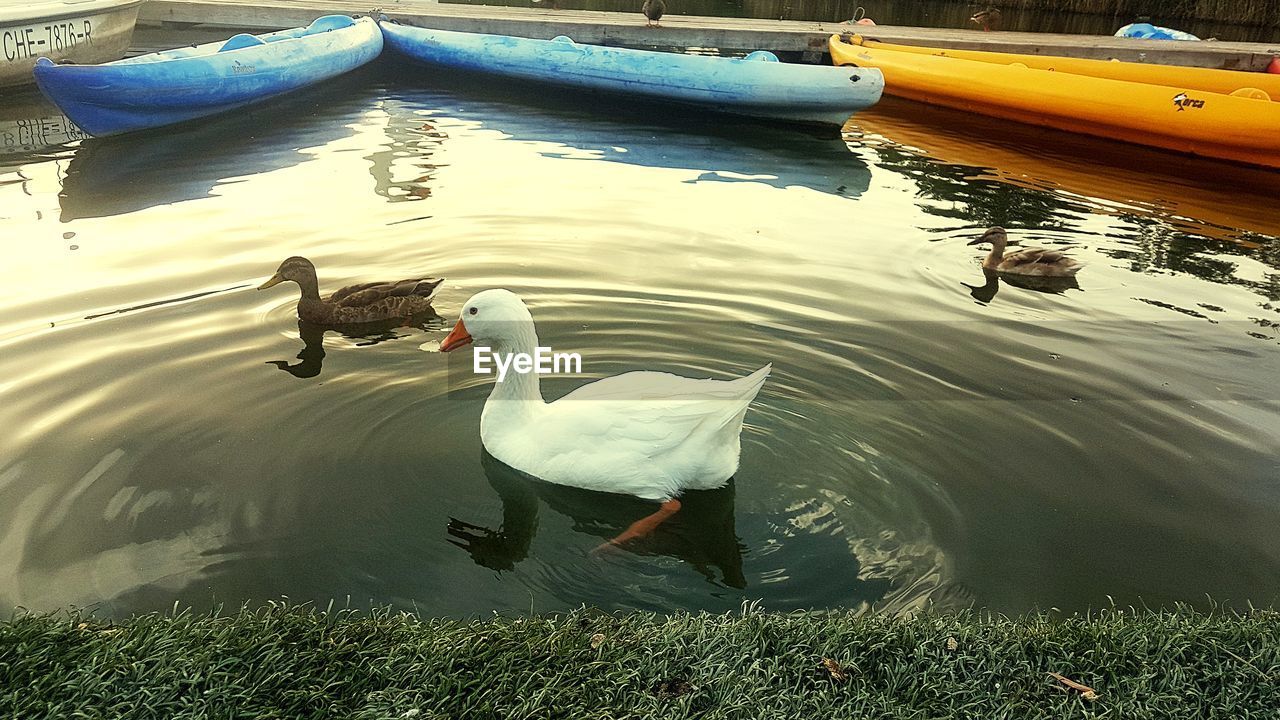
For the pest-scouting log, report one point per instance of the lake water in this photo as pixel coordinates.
(927, 435)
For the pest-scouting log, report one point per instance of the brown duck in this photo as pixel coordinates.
(989, 19)
(653, 10)
(1028, 261)
(363, 303)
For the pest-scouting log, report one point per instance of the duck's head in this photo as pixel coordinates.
(491, 317)
(995, 236)
(297, 269)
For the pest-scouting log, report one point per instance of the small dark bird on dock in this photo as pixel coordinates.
(989, 19)
(1028, 261)
(653, 10)
(363, 303)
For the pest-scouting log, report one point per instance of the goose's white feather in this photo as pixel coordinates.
(648, 434)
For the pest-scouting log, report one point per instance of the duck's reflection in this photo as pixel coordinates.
(986, 292)
(701, 534)
(311, 357)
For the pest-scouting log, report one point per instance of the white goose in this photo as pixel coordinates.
(648, 434)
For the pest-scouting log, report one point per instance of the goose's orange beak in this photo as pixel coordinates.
(456, 338)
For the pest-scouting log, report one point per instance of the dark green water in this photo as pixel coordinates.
(926, 435)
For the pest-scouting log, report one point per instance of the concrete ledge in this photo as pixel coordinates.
(628, 29)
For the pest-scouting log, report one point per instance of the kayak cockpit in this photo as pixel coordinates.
(245, 40)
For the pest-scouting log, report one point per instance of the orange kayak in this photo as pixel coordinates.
(1226, 82)
(1243, 128)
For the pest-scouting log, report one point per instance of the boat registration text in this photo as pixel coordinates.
(20, 43)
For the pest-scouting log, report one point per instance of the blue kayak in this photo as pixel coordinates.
(756, 85)
(1147, 31)
(175, 85)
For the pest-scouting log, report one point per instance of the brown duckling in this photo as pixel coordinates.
(653, 10)
(363, 303)
(1028, 261)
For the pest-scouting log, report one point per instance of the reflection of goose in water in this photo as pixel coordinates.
(702, 534)
(312, 336)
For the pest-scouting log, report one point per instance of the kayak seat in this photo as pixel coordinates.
(243, 40)
(1251, 93)
(761, 56)
(327, 23)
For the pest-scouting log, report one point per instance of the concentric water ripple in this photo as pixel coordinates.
(927, 436)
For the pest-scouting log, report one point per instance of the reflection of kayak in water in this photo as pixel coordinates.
(715, 148)
(1204, 197)
(29, 123)
(736, 151)
(117, 175)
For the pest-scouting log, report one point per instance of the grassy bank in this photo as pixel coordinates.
(283, 662)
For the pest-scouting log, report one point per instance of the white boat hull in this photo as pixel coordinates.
(77, 31)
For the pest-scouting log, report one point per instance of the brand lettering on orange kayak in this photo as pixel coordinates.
(1183, 102)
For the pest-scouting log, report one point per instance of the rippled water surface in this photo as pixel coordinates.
(927, 434)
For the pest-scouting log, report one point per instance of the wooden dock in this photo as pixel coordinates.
(733, 34)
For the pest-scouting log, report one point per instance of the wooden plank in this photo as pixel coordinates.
(734, 34)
